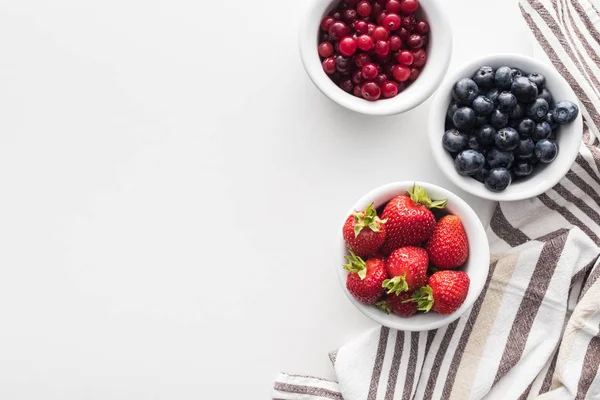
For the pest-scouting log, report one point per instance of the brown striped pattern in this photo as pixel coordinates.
(398, 348)
(374, 386)
(307, 390)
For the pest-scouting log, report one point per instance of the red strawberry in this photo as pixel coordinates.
(365, 279)
(407, 269)
(397, 305)
(364, 232)
(445, 292)
(409, 221)
(448, 246)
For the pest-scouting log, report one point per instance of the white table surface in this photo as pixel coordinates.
(172, 188)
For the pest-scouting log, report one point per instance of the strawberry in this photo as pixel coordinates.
(445, 292)
(448, 247)
(407, 269)
(364, 232)
(365, 279)
(409, 221)
(397, 305)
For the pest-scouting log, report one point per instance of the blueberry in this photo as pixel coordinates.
(474, 143)
(485, 135)
(482, 105)
(517, 113)
(503, 78)
(451, 110)
(469, 162)
(500, 159)
(538, 79)
(498, 119)
(465, 91)
(516, 72)
(506, 102)
(541, 131)
(522, 169)
(565, 111)
(525, 90)
(525, 148)
(493, 95)
(526, 127)
(481, 174)
(550, 120)
(545, 151)
(506, 139)
(538, 110)
(546, 95)
(464, 118)
(484, 77)
(481, 120)
(455, 141)
(498, 179)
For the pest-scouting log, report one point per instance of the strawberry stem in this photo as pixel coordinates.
(383, 306)
(357, 265)
(419, 195)
(396, 285)
(423, 297)
(368, 218)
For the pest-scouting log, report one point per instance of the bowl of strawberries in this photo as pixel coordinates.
(413, 256)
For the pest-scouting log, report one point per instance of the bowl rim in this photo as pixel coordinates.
(478, 248)
(433, 74)
(560, 166)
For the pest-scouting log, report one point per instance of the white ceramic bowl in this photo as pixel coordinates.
(477, 265)
(438, 57)
(568, 138)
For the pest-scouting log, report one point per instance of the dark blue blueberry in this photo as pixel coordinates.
(498, 179)
(525, 90)
(525, 148)
(503, 78)
(550, 120)
(485, 135)
(493, 95)
(538, 79)
(506, 102)
(498, 119)
(474, 143)
(500, 159)
(455, 141)
(565, 111)
(465, 91)
(464, 118)
(469, 162)
(484, 77)
(481, 120)
(525, 127)
(546, 95)
(541, 131)
(506, 139)
(516, 72)
(517, 113)
(538, 110)
(482, 105)
(451, 110)
(481, 174)
(546, 151)
(522, 169)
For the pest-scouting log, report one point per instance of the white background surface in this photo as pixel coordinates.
(172, 187)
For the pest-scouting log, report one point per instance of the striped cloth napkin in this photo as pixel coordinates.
(534, 333)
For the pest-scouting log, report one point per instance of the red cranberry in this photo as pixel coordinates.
(349, 15)
(401, 73)
(383, 59)
(405, 57)
(380, 18)
(382, 48)
(369, 71)
(326, 23)
(415, 41)
(388, 70)
(325, 49)
(357, 77)
(420, 58)
(348, 46)
(357, 91)
(393, 6)
(371, 28)
(371, 91)
(392, 22)
(361, 60)
(329, 65)
(382, 2)
(403, 33)
(395, 43)
(364, 8)
(365, 42)
(422, 27)
(343, 64)
(380, 33)
(425, 40)
(361, 27)
(409, 6)
(381, 79)
(409, 22)
(347, 85)
(336, 14)
(389, 90)
(376, 9)
(338, 30)
(414, 74)
(401, 86)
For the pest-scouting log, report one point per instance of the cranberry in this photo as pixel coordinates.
(361, 60)
(392, 22)
(425, 40)
(415, 41)
(324, 37)
(357, 77)
(404, 34)
(365, 42)
(371, 28)
(381, 79)
(361, 27)
(409, 22)
(335, 77)
(357, 91)
(380, 33)
(422, 27)
(395, 43)
(338, 30)
(389, 90)
(348, 46)
(349, 15)
(409, 6)
(376, 9)
(414, 74)
(326, 23)
(388, 70)
(343, 64)
(405, 57)
(383, 59)
(364, 8)
(380, 17)
(371, 91)
(329, 65)
(420, 58)
(336, 15)
(347, 85)
(401, 86)
(401, 73)
(393, 6)
(369, 71)
(382, 48)
(325, 49)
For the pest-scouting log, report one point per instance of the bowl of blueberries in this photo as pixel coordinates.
(505, 127)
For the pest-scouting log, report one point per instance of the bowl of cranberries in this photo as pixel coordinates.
(377, 57)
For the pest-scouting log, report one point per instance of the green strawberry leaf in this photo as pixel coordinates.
(356, 264)
(396, 285)
(423, 297)
(419, 195)
(383, 306)
(367, 218)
